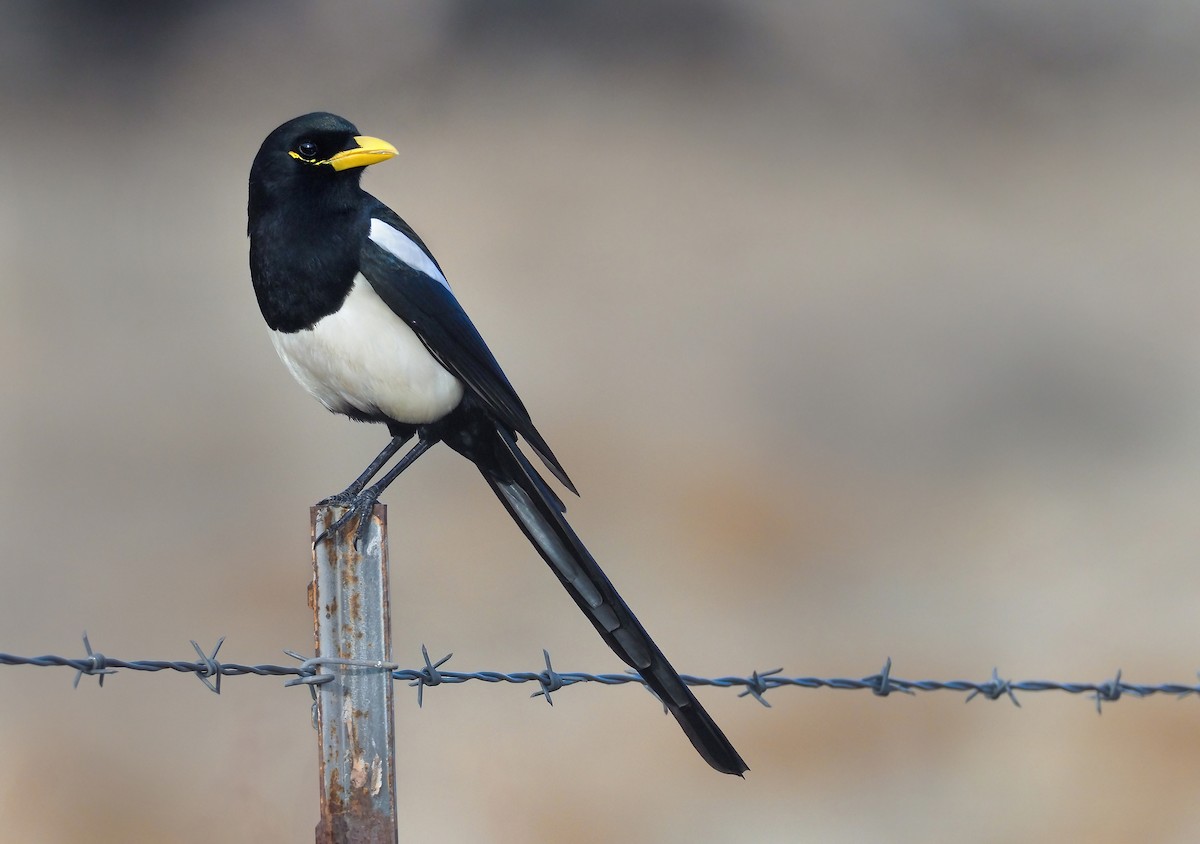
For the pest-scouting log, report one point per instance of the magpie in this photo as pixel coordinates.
(363, 317)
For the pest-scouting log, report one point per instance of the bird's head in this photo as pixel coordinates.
(314, 154)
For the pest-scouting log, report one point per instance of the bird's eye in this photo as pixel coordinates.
(307, 149)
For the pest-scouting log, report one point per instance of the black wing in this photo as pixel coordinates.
(430, 308)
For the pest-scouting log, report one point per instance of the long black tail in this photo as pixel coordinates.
(539, 513)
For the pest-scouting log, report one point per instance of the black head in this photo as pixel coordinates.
(308, 217)
(312, 158)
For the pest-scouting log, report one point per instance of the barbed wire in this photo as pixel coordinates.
(308, 672)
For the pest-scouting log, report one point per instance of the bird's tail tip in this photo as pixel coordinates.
(709, 741)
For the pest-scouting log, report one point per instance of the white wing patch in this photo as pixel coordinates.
(365, 358)
(402, 246)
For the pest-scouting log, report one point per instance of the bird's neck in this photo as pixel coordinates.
(303, 261)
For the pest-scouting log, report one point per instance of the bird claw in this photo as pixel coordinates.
(345, 498)
(358, 507)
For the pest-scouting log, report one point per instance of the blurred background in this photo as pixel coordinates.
(866, 328)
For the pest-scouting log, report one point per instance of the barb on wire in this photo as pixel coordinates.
(212, 668)
(550, 680)
(96, 668)
(757, 687)
(427, 676)
(995, 689)
(317, 671)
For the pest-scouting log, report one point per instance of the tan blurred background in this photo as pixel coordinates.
(867, 328)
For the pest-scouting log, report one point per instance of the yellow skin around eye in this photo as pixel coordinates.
(369, 151)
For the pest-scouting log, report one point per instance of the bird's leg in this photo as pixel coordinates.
(348, 495)
(363, 502)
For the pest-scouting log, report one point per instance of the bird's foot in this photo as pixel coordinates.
(358, 506)
(345, 498)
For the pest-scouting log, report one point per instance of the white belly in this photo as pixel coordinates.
(365, 358)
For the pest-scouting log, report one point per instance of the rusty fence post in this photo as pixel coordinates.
(356, 734)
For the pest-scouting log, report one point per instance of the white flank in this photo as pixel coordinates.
(403, 247)
(365, 358)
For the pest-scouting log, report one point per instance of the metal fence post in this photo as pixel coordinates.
(356, 735)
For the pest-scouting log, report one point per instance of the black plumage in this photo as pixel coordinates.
(362, 315)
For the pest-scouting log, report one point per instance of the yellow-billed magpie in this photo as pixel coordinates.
(363, 317)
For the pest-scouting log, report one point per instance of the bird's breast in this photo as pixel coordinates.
(363, 359)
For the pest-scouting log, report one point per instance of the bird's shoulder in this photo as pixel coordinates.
(388, 231)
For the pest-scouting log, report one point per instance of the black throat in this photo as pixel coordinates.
(304, 249)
